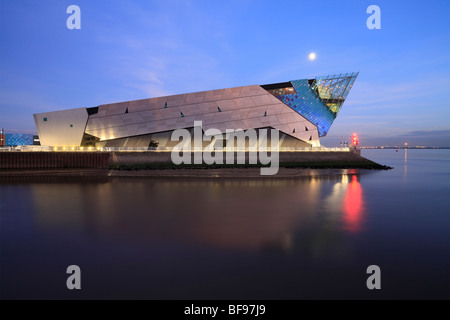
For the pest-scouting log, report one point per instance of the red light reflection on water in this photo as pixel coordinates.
(353, 206)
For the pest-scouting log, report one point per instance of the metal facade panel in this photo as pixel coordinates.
(176, 100)
(213, 95)
(225, 105)
(156, 103)
(196, 97)
(116, 108)
(245, 102)
(207, 107)
(262, 100)
(61, 128)
(231, 93)
(138, 105)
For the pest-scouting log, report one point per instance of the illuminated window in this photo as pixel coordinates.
(279, 89)
(282, 91)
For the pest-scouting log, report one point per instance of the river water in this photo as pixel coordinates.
(167, 238)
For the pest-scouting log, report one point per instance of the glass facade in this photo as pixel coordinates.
(18, 139)
(282, 91)
(333, 90)
(319, 100)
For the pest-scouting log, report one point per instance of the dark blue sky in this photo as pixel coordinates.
(130, 50)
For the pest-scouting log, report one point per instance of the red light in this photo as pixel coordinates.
(353, 206)
(355, 139)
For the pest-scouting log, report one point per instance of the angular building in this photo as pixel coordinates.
(302, 110)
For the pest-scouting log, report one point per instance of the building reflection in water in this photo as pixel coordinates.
(406, 162)
(345, 205)
(231, 214)
(353, 205)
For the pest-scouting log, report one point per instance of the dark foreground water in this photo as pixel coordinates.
(232, 239)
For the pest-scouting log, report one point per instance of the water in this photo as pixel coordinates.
(301, 238)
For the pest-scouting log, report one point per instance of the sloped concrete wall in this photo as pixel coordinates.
(45, 160)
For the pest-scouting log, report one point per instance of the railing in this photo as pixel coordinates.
(164, 149)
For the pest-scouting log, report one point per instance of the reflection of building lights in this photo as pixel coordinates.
(353, 205)
(345, 179)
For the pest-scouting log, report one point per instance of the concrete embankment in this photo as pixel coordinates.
(320, 159)
(53, 160)
(154, 163)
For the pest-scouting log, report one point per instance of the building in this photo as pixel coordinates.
(2, 138)
(18, 139)
(302, 110)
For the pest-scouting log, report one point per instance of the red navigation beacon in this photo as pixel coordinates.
(355, 139)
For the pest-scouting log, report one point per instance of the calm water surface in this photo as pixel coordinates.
(232, 239)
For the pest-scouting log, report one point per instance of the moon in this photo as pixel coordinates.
(312, 56)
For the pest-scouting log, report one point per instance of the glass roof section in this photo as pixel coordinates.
(319, 100)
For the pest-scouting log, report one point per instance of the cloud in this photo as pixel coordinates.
(431, 138)
(10, 99)
(368, 95)
(156, 54)
(431, 133)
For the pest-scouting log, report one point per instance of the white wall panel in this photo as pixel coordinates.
(61, 128)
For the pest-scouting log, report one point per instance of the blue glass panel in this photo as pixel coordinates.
(309, 105)
(320, 103)
(17, 139)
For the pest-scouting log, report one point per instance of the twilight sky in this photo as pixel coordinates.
(129, 50)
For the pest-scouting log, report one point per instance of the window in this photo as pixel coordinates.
(71, 125)
(279, 89)
(45, 119)
(153, 144)
(282, 91)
